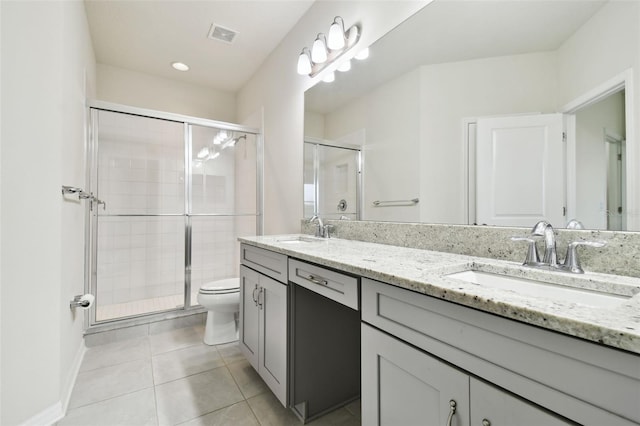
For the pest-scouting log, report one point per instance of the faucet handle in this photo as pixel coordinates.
(532, 253)
(326, 231)
(571, 261)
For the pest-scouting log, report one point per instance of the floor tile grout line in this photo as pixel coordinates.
(253, 411)
(191, 375)
(211, 412)
(110, 398)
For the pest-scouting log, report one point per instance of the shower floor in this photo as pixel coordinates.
(143, 306)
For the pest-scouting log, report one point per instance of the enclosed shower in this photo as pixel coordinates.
(332, 180)
(175, 193)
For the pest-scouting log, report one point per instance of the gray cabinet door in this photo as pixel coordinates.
(491, 406)
(272, 302)
(402, 385)
(249, 333)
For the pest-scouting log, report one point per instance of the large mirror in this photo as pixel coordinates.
(491, 112)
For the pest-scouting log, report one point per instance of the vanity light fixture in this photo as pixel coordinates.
(336, 39)
(180, 66)
(319, 50)
(304, 61)
(326, 51)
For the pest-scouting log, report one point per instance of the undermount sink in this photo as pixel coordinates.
(538, 288)
(299, 239)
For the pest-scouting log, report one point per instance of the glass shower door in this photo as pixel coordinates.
(139, 261)
(223, 182)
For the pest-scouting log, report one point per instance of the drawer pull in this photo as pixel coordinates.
(317, 280)
(452, 411)
(486, 422)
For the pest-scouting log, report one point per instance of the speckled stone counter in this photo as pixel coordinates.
(425, 271)
(621, 255)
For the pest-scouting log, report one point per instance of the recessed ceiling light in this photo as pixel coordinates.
(180, 66)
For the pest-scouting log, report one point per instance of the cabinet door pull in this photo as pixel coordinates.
(486, 422)
(261, 293)
(255, 299)
(452, 411)
(318, 281)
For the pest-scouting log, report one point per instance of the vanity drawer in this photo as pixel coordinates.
(333, 285)
(267, 262)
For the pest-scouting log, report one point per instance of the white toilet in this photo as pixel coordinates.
(222, 300)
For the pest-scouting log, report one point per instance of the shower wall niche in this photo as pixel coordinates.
(177, 192)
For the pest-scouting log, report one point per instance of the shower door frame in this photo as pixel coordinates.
(91, 225)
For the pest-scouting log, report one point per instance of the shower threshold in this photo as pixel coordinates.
(142, 306)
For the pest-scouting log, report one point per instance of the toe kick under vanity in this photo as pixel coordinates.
(327, 321)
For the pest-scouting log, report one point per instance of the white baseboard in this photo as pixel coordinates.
(57, 411)
(48, 416)
(67, 388)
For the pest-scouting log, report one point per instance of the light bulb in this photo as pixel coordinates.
(319, 50)
(329, 78)
(363, 54)
(345, 66)
(304, 63)
(335, 40)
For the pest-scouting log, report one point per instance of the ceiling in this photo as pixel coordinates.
(451, 31)
(148, 35)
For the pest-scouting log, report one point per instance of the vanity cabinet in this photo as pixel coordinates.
(420, 352)
(402, 385)
(263, 316)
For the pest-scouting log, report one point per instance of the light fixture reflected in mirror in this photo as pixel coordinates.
(345, 66)
(329, 77)
(203, 153)
(325, 52)
(363, 54)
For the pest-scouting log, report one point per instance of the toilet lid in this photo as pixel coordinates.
(229, 285)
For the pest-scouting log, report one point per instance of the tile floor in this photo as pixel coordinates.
(172, 378)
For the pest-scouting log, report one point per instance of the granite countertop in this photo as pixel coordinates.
(425, 271)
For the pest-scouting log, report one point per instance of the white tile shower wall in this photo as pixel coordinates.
(213, 255)
(141, 165)
(139, 258)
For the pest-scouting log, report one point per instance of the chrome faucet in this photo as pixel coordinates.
(322, 230)
(319, 225)
(544, 229)
(550, 260)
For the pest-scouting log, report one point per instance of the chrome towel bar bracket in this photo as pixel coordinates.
(82, 195)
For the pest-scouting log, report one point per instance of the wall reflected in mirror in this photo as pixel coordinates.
(413, 105)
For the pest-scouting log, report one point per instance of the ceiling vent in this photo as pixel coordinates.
(221, 33)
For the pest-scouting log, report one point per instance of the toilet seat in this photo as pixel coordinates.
(230, 285)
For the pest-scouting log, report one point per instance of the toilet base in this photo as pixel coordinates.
(221, 328)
